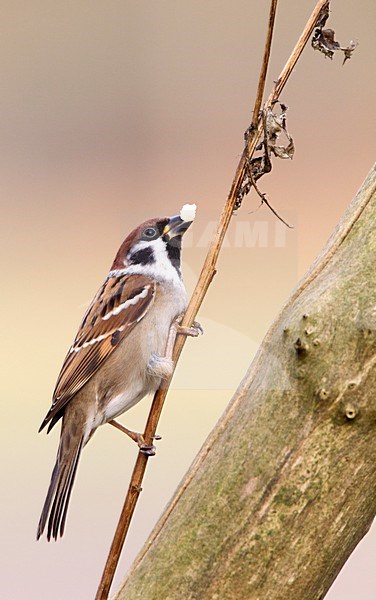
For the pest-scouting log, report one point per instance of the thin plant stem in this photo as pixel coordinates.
(207, 273)
(264, 199)
(265, 63)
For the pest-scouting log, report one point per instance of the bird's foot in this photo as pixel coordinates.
(148, 449)
(176, 329)
(194, 331)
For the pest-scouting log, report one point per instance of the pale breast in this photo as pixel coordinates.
(123, 380)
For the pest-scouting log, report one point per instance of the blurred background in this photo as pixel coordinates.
(114, 112)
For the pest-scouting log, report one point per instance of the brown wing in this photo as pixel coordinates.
(119, 305)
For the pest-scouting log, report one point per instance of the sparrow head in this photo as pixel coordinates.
(154, 248)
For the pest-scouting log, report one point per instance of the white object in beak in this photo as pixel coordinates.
(188, 212)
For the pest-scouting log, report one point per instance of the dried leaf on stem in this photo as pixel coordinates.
(323, 39)
(273, 127)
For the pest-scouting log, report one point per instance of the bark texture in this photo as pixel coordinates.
(285, 486)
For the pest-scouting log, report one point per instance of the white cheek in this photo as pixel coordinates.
(161, 268)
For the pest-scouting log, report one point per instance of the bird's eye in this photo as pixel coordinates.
(150, 232)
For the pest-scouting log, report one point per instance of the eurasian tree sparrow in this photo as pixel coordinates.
(122, 350)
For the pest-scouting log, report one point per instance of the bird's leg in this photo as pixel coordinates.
(177, 329)
(136, 437)
(162, 366)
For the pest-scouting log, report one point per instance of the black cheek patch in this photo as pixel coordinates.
(143, 257)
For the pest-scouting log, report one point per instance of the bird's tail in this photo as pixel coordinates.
(62, 479)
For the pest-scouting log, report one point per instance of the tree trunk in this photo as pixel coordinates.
(285, 486)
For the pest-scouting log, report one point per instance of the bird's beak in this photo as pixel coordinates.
(176, 227)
